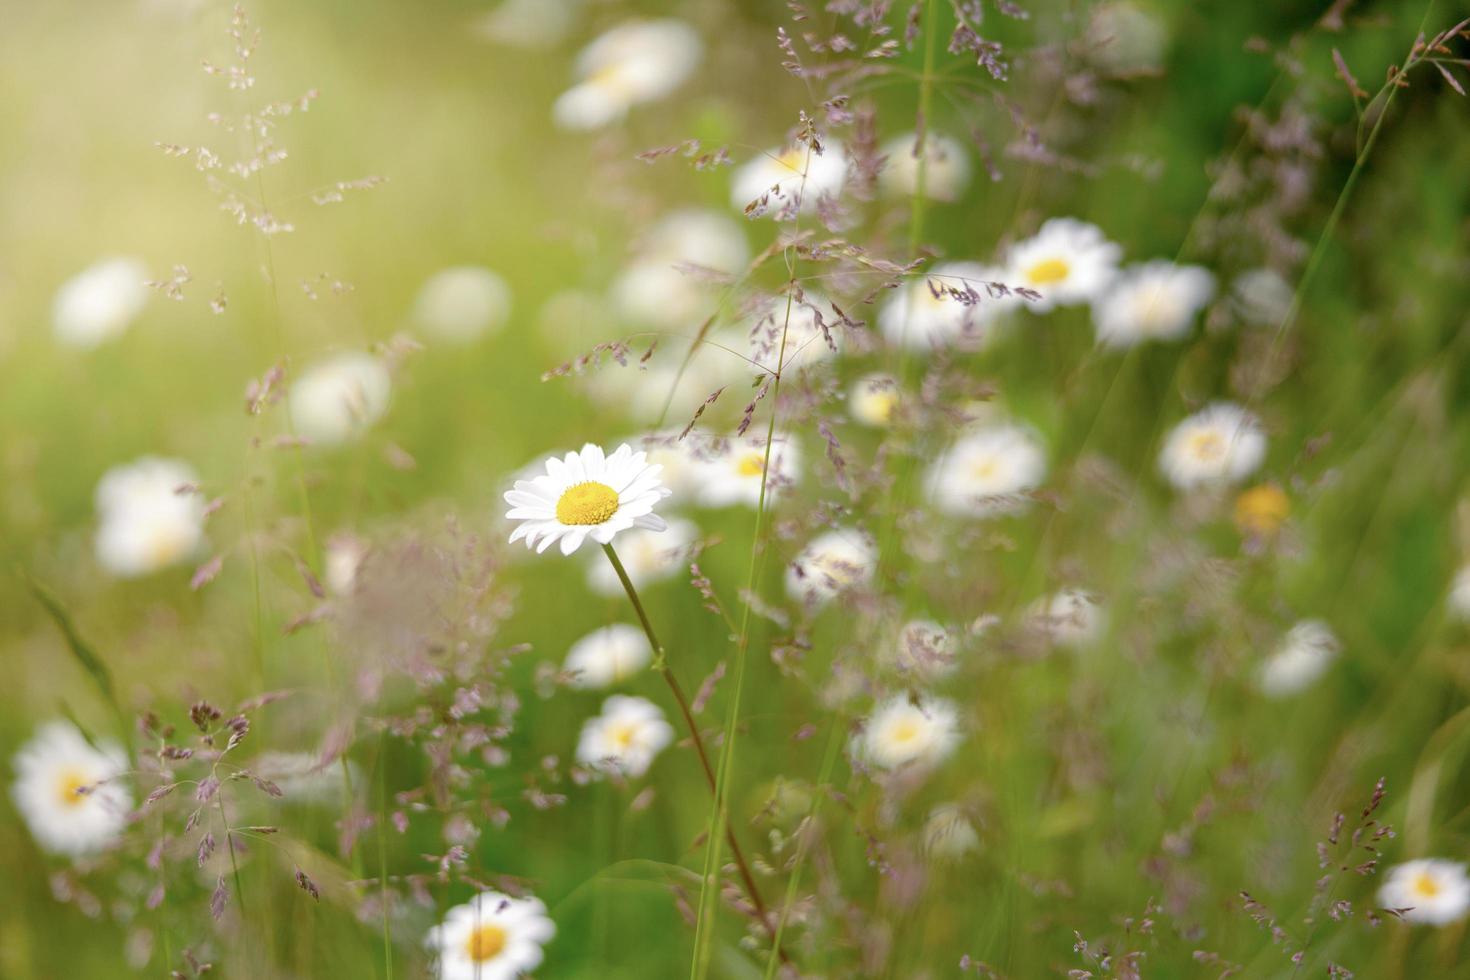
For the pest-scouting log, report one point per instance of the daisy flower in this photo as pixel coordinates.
(462, 303)
(1261, 297)
(647, 556)
(806, 342)
(872, 399)
(337, 400)
(1152, 301)
(832, 563)
(1124, 38)
(528, 23)
(636, 62)
(100, 302)
(1220, 444)
(1070, 618)
(732, 474)
(149, 517)
(924, 649)
(1459, 599)
(492, 937)
(586, 494)
(301, 777)
(344, 556)
(987, 471)
(1068, 262)
(1261, 510)
(773, 183)
(625, 737)
(665, 285)
(923, 314)
(948, 834)
(946, 167)
(608, 655)
(69, 792)
(1435, 892)
(1303, 656)
(903, 731)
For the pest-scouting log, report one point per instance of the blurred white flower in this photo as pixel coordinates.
(924, 649)
(731, 474)
(924, 314)
(1155, 300)
(678, 457)
(586, 494)
(100, 302)
(1459, 599)
(301, 777)
(69, 792)
(1222, 443)
(462, 303)
(345, 554)
(608, 655)
(872, 399)
(1068, 262)
(1303, 656)
(901, 732)
(987, 471)
(806, 343)
(636, 62)
(144, 522)
(626, 737)
(946, 167)
(949, 835)
(1261, 297)
(529, 23)
(1125, 38)
(790, 179)
(1070, 618)
(338, 399)
(832, 563)
(665, 285)
(1435, 892)
(641, 392)
(647, 556)
(492, 937)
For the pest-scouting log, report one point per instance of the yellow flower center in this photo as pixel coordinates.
(1048, 271)
(485, 943)
(792, 158)
(69, 785)
(587, 503)
(1207, 445)
(904, 730)
(986, 469)
(623, 735)
(1262, 509)
(881, 405)
(167, 544)
(1425, 886)
(751, 464)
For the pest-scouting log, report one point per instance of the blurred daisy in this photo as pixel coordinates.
(732, 474)
(462, 303)
(647, 556)
(1070, 618)
(100, 302)
(946, 167)
(340, 398)
(924, 649)
(872, 399)
(1068, 262)
(1435, 892)
(832, 563)
(1303, 656)
(949, 835)
(1125, 38)
(301, 777)
(529, 23)
(669, 284)
(608, 655)
(586, 494)
(345, 554)
(680, 459)
(636, 62)
(1459, 599)
(782, 182)
(1220, 444)
(903, 732)
(68, 791)
(792, 339)
(145, 522)
(492, 937)
(625, 737)
(1261, 510)
(924, 314)
(987, 471)
(640, 393)
(1261, 297)
(1152, 301)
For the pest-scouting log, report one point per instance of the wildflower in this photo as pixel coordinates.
(948, 834)
(1459, 599)
(68, 790)
(795, 178)
(648, 556)
(733, 474)
(1068, 262)
(924, 649)
(1434, 891)
(100, 302)
(1153, 301)
(586, 494)
(302, 777)
(636, 62)
(1126, 39)
(340, 398)
(925, 313)
(790, 334)
(625, 737)
(608, 655)
(1261, 510)
(872, 399)
(344, 557)
(462, 303)
(1261, 297)
(831, 564)
(1070, 618)
(667, 285)
(492, 937)
(904, 731)
(1303, 656)
(149, 518)
(985, 471)
(946, 167)
(528, 23)
(678, 457)
(1220, 444)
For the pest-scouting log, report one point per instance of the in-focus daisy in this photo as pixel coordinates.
(462, 303)
(669, 283)
(1459, 598)
(636, 62)
(100, 302)
(925, 313)
(872, 399)
(340, 398)
(903, 731)
(949, 835)
(625, 737)
(1151, 301)
(608, 655)
(732, 473)
(1303, 656)
(790, 180)
(1261, 510)
(832, 563)
(149, 516)
(1068, 262)
(1222, 443)
(1435, 892)
(647, 556)
(68, 791)
(924, 649)
(492, 937)
(987, 471)
(946, 167)
(586, 494)
(1070, 618)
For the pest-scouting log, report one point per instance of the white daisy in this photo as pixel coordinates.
(987, 471)
(665, 286)
(680, 459)
(806, 344)
(902, 732)
(636, 62)
(69, 792)
(832, 563)
(1435, 892)
(782, 182)
(344, 556)
(1068, 262)
(1459, 599)
(338, 399)
(872, 399)
(1261, 297)
(924, 649)
(462, 303)
(1220, 444)
(1125, 38)
(1070, 618)
(731, 474)
(608, 655)
(149, 516)
(946, 167)
(301, 777)
(640, 392)
(529, 23)
(492, 937)
(925, 313)
(1155, 300)
(100, 302)
(949, 835)
(1304, 655)
(647, 557)
(625, 737)
(586, 494)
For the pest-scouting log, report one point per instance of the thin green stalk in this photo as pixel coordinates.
(383, 854)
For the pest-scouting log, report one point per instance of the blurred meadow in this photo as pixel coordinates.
(1036, 623)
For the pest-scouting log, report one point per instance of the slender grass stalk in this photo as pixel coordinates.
(383, 854)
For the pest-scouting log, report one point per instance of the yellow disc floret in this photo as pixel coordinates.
(587, 503)
(485, 943)
(1262, 509)
(69, 786)
(1048, 271)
